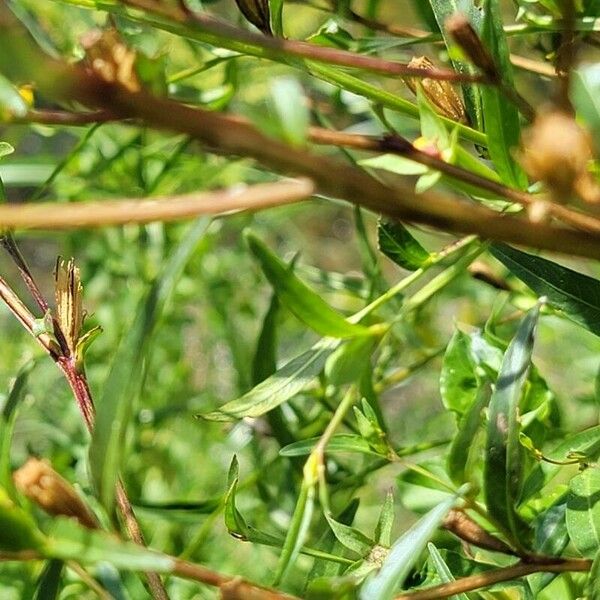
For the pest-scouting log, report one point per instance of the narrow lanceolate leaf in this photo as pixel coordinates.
(462, 445)
(443, 571)
(297, 531)
(500, 116)
(283, 385)
(583, 512)
(125, 376)
(594, 579)
(71, 541)
(404, 554)
(350, 537)
(48, 583)
(300, 299)
(574, 294)
(503, 467)
(8, 414)
(341, 442)
(396, 242)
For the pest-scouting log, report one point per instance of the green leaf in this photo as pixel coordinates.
(340, 442)
(399, 245)
(383, 531)
(432, 126)
(349, 362)
(550, 539)
(443, 571)
(593, 584)
(300, 299)
(283, 385)
(5, 149)
(276, 10)
(458, 382)
(463, 446)
(350, 537)
(48, 583)
(503, 457)
(586, 97)
(394, 164)
(124, 379)
(583, 512)
(71, 541)
(8, 416)
(10, 99)
(297, 531)
(404, 554)
(574, 294)
(500, 116)
(18, 530)
(289, 105)
(264, 362)
(234, 521)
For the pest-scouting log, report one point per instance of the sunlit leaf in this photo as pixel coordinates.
(583, 512)
(295, 295)
(283, 385)
(503, 470)
(404, 554)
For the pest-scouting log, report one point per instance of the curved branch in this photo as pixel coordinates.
(487, 578)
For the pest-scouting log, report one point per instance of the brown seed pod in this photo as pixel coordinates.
(37, 480)
(441, 94)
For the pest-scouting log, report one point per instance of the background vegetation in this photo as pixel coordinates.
(371, 393)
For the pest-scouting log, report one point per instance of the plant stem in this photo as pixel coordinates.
(488, 578)
(166, 208)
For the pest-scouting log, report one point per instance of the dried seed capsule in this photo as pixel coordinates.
(441, 94)
(37, 480)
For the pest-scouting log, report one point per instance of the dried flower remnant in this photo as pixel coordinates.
(466, 38)
(110, 58)
(558, 151)
(69, 308)
(37, 480)
(258, 13)
(441, 94)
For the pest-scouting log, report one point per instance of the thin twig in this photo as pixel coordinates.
(394, 144)
(166, 208)
(78, 383)
(232, 588)
(226, 35)
(487, 578)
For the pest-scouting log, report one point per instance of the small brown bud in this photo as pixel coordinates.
(466, 38)
(258, 13)
(37, 480)
(557, 151)
(441, 94)
(462, 526)
(110, 58)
